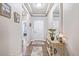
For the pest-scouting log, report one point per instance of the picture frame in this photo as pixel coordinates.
(16, 17)
(5, 10)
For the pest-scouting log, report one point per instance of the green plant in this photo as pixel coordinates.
(52, 33)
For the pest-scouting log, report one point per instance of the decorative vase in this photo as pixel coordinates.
(52, 38)
(60, 39)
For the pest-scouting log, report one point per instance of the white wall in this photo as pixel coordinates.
(50, 16)
(44, 19)
(71, 27)
(10, 33)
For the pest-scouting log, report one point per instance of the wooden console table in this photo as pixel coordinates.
(55, 44)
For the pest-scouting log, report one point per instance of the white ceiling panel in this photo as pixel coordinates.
(38, 9)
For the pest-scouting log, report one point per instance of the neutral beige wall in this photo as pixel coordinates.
(10, 33)
(71, 27)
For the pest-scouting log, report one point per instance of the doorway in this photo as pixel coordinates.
(38, 30)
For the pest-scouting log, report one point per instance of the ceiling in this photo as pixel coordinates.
(38, 9)
(56, 13)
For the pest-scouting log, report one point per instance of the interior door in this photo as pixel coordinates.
(24, 37)
(38, 30)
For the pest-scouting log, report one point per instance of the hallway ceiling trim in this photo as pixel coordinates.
(38, 11)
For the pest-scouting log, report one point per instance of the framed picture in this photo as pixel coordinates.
(5, 10)
(16, 17)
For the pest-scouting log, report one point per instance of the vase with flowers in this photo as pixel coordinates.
(52, 33)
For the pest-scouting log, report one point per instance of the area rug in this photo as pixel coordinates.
(37, 51)
(37, 43)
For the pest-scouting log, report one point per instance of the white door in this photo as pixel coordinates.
(24, 37)
(38, 30)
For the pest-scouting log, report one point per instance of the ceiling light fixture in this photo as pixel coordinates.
(38, 5)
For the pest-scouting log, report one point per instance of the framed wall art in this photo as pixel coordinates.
(16, 17)
(5, 10)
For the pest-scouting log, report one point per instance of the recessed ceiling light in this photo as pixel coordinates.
(38, 5)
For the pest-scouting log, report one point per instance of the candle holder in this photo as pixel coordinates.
(60, 37)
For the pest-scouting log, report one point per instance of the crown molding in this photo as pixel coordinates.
(29, 8)
(39, 15)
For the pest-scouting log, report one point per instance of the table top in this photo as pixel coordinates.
(54, 41)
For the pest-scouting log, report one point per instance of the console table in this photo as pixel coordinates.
(54, 44)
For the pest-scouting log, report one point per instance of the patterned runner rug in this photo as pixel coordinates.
(37, 51)
(38, 42)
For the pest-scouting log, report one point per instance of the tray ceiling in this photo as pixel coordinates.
(38, 9)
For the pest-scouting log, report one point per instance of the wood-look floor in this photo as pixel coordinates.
(30, 47)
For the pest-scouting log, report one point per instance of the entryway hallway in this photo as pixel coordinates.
(39, 29)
